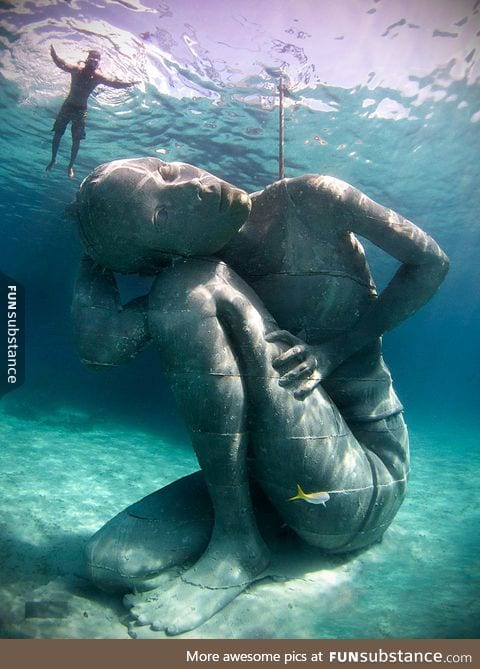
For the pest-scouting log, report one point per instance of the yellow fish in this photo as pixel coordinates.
(311, 497)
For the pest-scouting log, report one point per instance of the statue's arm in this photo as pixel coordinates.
(332, 202)
(423, 265)
(106, 333)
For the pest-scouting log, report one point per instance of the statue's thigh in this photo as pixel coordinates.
(366, 484)
(197, 358)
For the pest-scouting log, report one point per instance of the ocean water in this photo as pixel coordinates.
(383, 95)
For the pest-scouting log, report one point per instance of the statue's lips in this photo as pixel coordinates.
(225, 197)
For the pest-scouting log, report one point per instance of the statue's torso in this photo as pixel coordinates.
(311, 276)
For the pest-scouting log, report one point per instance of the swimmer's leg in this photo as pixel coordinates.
(73, 155)
(59, 128)
(57, 138)
(78, 133)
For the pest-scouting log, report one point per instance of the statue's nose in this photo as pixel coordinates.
(205, 188)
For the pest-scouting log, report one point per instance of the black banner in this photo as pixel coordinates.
(12, 334)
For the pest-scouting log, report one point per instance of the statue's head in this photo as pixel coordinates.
(136, 214)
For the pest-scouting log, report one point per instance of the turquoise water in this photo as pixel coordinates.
(383, 95)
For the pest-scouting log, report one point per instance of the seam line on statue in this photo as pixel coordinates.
(333, 272)
(293, 438)
(208, 587)
(98, 364)
(349, 535)
(116, 308)
(352, 379)
(345, 491)
(273, 377)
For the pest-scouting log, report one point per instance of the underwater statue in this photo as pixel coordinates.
(268, 327)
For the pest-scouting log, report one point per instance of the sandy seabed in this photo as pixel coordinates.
(62, 478)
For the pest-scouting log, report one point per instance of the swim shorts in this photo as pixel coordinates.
(76, 115)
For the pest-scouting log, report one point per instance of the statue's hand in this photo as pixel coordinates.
(302, 367)
(298, 366)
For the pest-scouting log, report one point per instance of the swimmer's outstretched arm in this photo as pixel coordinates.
(59, 62)
(115, 83)
(106, 333)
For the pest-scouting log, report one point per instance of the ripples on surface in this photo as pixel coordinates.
(367, 81)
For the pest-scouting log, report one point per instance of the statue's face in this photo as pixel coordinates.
(134, 215)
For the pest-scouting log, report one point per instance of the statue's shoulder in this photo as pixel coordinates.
(319, 185)
(312, 201)
(306, 184)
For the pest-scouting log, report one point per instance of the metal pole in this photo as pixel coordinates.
(281, 131)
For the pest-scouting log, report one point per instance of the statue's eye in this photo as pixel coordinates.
(161, 215)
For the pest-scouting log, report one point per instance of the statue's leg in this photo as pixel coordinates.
(386, 445)
(167, 528)
(203, 371)
(210, 330)
(309, 443)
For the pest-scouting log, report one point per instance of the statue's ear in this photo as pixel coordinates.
(71, 211)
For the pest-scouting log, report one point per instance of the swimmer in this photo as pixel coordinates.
(84, 79)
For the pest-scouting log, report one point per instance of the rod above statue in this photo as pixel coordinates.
(281, 129)
(278, 74)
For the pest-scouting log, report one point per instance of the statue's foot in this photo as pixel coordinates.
(183, 607)
(50, 165)
(199, 593)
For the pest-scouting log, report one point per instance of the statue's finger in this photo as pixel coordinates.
(306, 388)
(294, 375)
(281, 335)
(294, 353)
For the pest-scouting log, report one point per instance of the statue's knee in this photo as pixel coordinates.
(108, 554)
(102, 563)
